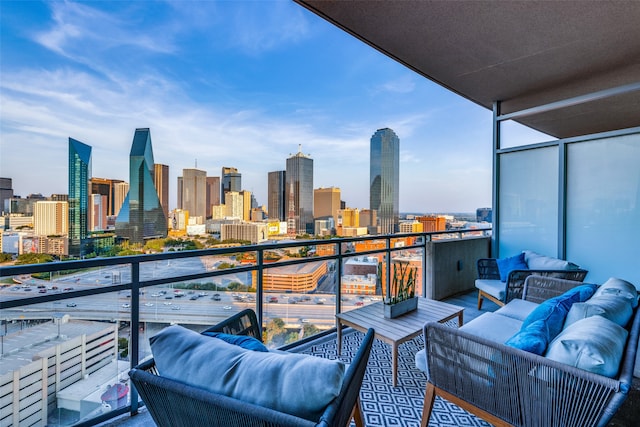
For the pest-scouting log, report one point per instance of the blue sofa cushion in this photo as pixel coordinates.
(594, 344)
(493, 327)
(507, 265)
(296, 384)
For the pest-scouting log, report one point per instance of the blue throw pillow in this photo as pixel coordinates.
(554, 310)
(250, 343)
(533, 338)
(507, 265)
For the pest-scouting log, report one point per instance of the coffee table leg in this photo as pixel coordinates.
(394, 363)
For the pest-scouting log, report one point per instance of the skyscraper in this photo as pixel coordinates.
(6, 193)
(141, 216)
(231, 181)
(326, 202)
(299, 185)
(97, 212)
(120, 191)
(385, 179)
(105, 187)
(213, 193)
(161, 181)
(50, 218)
(276, 195)
(79, 174)
(194, 192)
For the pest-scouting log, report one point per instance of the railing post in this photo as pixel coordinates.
(259, 287)
(339, 273)
(135, 327)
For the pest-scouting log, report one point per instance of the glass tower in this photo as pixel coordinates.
(231, 181)
(276, 195)
(141, 216)
(79, 175)
(299, 192)
(385, 178)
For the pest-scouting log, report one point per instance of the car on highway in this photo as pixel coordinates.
(148, 304)
(175, 307)
(227, 307)
(126, 305)
(359, 303)
(216, 297)
(72, 304)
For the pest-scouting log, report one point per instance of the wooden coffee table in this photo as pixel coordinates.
(396, 331)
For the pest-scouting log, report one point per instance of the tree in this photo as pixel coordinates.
(33, 259)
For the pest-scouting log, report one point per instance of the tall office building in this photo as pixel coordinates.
(141, 216)
(276, 195)
(213, 193)
(231, 181)
(326, 202)
(194, 192)
(120, 191)
(105, 187)
(97, 212)
(299, 185)
(161, 181)
(50, 218)
(6, 193)
(384, 174)
(234, 205)
(246, 205)
(79, 174)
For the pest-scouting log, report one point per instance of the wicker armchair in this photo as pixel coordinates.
(510, 387)
(173, 403)
(512, 288)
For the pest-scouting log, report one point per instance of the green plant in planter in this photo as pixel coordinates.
(403, 283)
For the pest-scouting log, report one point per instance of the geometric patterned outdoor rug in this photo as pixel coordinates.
(387, 406)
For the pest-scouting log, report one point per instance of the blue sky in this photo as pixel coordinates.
(229, 83)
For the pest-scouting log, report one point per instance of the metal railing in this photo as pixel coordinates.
(336, 251)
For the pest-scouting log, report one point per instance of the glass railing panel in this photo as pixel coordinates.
(299, 301)
(51, 283)
(78, 347)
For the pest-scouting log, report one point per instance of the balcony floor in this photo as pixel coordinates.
(385, 405)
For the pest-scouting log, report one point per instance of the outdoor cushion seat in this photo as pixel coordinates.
(206, 380)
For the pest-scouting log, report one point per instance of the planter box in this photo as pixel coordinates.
(398, 309)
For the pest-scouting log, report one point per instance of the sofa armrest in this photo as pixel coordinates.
(518, 387)
(488, 269)
(516, 280)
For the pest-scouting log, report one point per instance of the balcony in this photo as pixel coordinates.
(70, 330)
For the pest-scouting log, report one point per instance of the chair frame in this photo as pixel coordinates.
(488, 269)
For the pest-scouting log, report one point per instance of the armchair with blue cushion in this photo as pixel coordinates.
(502, 280)
(217, 378)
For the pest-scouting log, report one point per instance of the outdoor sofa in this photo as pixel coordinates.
(205, 380)
(509, 368)
(502, 279)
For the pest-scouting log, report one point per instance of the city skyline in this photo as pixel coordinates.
(243, 84)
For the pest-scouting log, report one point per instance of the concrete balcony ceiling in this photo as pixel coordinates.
(523, 53)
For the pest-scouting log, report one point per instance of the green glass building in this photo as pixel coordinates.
(141, 216)
(79, 175)
(384, 173)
